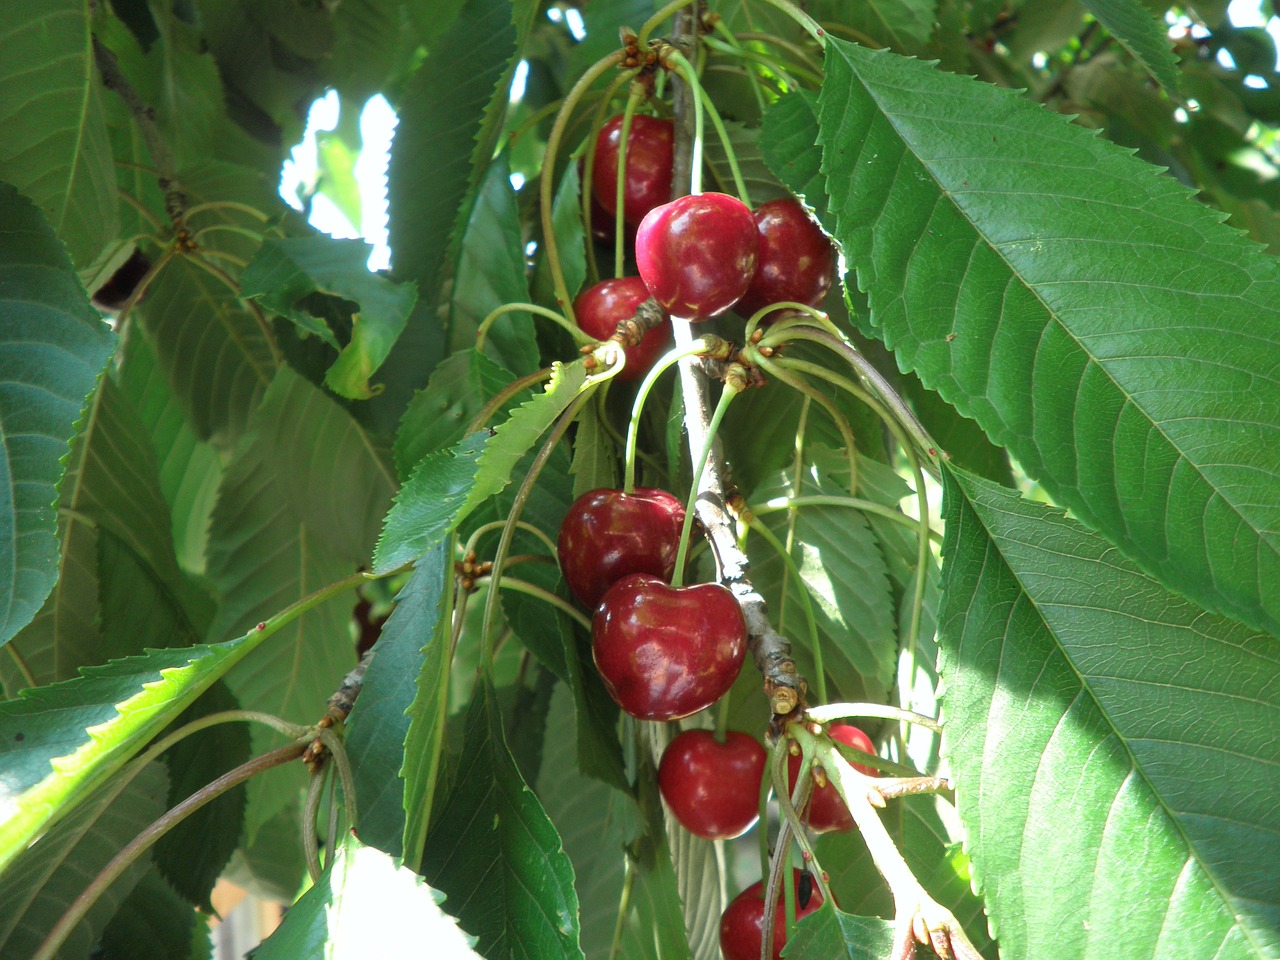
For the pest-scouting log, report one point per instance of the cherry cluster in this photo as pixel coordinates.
(698, 256)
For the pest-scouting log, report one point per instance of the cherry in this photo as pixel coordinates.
(667, 652)
(697, 254)
(650, 155)
(742, 923)
(794, 258)
(608, 534)
(827, 811)
(711, 787)
(598, 310)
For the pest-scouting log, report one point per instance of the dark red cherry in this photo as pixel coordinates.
(598, 310)
(697, 254)
(711, 787)
(608, 534)
(667, 652)
(794, 258)
(649, 162)
(742, 923)
(827, 811)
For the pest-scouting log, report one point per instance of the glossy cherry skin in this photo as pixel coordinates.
(697, 254)
(667, 652)
(650, 155)
(711, 787)
(827, 812)
(598, 310)
(608, 534)
(794, 258)
(742, 923)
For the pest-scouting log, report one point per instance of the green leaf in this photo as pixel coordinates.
(60, 742)
(364, 31)
(448, 485)
(438, 416)
(184, 88)
(285, 272)
(830, 932)
(365, 904)
(571, 239)
(56, 149)
(595, 454)
(497, 856)
(1142, 35)
(904, 25)
(1059, 325)
(761, 182)
(40, 885)
(378, 730)
(154, 923)
(53, 345)
(1111, 742)
(789, 145)
(424, 737)
(491, 273)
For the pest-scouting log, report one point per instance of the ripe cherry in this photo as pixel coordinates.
(827, 811)
(649, 161)
(794, 258)
(598, 310)
(608, 534)
(697, 254)
(742, 923)
(667, 652)
(711, 787)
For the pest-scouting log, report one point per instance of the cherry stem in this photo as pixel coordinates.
(532, 590)
(806, 22)
(574, 331)
(691, 78)
(797, 483)
(669, 359)
(624, 906)
(310, 814)
(251, 305)
(756, 58)
(500, 524)
(620, 177)
(594, 72)
(739, 184)
(853, 503)
(801, 55)
(145, 840)
(806, 605)
(143, 285)
(730, 391)
(656, 20)
(811, 316)
(505, 394)
(734, 48)
(841, 711)
(588, 168)
(721, 732)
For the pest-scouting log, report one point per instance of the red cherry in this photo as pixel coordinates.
(667, 652)
(697, 254)
(827, 812)
(598, 310)
(650, 155)
(794, 258)
(608, 534)
(711, 787)
(742, 923)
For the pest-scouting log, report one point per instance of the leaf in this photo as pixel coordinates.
(448, 485)
(491, 273)
(188, 96)
(53, 345)
(595, 455)
(364, 31)
(56, 149)
(365, 905)
(60, 742)
(432, 158)
(789, 145)
(830, 932)
(1141, 34)
(761, 183)
(571, 239)
(497, 856)
(378, 730)
(154, 923)
(1059, 325)
(40, 886)
(1111, 742)
(285, 272)
(904, 25)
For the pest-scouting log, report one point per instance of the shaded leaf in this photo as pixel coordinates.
(904, 25)
(497, 856)
(789, 145)
(571, 240)
(1142, 35)
(56, 149)
(53, 345)
(1110, 741)
(830, 932)
(595, 454)
(1058, 325)
(154, 923)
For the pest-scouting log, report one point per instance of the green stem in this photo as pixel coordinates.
(761, 59)
(500, 524)
(145, 840)
(840, 711)
(853, 503)
(811, 623)
(588, 170)
(620, 181)
(722, 720)
(726, 397)
(505, 394)
(807, 23)
(802, 56)
(338, 751)
(656, 20)
(810, 316)
(624, 906)
(735, 49)
(310, 814)
(572, 329)
(669, 359)
(797, 484)
(532, 590)
(691, 78)
(548, 167)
